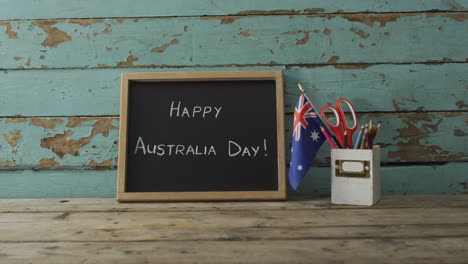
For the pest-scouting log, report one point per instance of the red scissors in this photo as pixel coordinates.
(341, 124)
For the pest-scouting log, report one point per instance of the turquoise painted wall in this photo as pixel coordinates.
(403, 63)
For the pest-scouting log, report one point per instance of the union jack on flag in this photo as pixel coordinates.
(303, 110)
(306, 141)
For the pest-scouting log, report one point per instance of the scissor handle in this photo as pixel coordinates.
(337, 128)
(339, 107)
(349, 129)
(325, 118)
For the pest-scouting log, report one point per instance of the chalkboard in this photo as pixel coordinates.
(201, 136)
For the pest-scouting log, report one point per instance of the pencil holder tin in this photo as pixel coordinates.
(355, 176)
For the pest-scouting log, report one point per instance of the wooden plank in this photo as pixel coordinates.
(183, 226)
(385, 87)
(91, 142)
(407, 180)
(58, 142)
(71, 183)
(43, 9)
(52, 205)
(437, 250)
(250, 40)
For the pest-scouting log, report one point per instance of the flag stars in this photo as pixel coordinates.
(314, 135)
(299, 167)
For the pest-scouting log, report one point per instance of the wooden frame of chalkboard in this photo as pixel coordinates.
(240, 113)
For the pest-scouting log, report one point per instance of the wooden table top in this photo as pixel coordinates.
(400, 229)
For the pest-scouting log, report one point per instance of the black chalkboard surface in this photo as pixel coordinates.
(201, 136)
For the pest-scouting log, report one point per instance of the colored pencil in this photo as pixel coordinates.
(368, 141)
(363, 140)
(330, 133)
(377, 129)
(358, 139)
(330, 141)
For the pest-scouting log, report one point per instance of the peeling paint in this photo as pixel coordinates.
(85, 22)
(128, 63)
(314, 10)
(244, 33)
(16, 120)
(185, 28)
(55, 36)
(333, 60)
(371, 19)
(459, 17)
(223, 19)
(303, 40)
(16, 58)
(356, 66)
(108, 29)
(46, 123)
(9, 30)
(413, 139)
(360, 32)
(7, 163)
(61, 144)
(460, 104)
(162, 48)
(396, 106)
(13, 138)
(77, 121)
(45, 162)
(28, 63)
(102, 165)
(327, 31)
(103, 126)
(459, 133)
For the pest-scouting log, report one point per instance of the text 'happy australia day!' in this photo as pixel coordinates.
(178, 110)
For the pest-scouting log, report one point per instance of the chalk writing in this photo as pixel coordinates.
(178, 110)
(173, 149)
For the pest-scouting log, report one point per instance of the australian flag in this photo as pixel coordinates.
(306, 140)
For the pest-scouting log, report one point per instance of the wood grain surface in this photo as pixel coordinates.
(399, 229)
(234, 40)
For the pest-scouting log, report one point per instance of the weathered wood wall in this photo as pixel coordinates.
(403, 63)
